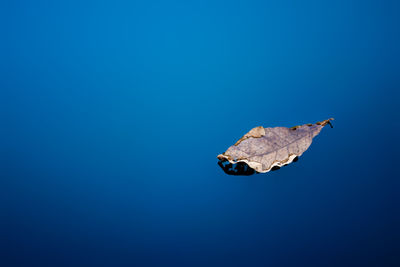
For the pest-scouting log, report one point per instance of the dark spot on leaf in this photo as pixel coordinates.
(239, 168)
(275, 168)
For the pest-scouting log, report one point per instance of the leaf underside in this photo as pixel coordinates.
(264, 149)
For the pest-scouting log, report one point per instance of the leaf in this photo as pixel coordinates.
(264, 149)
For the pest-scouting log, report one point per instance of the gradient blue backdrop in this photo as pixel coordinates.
(113, 113)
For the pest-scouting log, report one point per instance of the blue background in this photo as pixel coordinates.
(113, 113)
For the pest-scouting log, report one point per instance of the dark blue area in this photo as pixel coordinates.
(113, 113)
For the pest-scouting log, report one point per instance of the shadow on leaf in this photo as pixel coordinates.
(239, 168)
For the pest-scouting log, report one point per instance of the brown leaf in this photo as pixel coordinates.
(265, 149)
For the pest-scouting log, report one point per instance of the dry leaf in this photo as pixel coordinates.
(265, 149)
